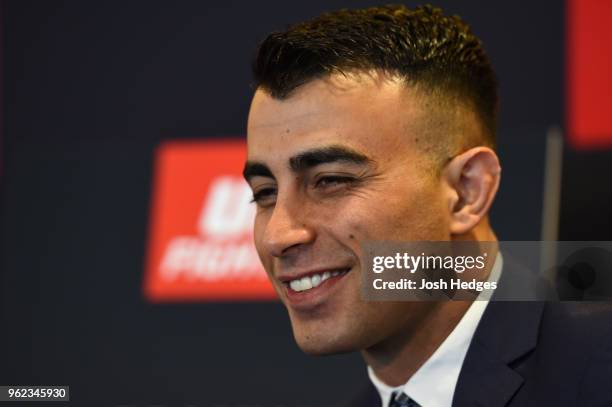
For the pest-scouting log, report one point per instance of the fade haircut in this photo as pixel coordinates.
(433, 52)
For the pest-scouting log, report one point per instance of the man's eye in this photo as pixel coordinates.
(264, 196)
(333, 181)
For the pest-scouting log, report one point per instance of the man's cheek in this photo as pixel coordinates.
(259, 227)
(354, 230)
(266, 261)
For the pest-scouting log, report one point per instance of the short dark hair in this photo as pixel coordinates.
(422, 46)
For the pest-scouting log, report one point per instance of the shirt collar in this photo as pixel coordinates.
(433, 385)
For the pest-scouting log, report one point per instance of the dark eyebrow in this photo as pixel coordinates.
(308, 159)
(326, 155)
(254, 168)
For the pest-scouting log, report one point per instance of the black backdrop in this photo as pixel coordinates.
(89, 88)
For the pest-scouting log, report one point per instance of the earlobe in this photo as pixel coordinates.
(473, 179)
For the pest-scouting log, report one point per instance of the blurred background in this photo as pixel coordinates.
(122, 135)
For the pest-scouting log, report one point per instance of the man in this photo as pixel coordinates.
(379, 124)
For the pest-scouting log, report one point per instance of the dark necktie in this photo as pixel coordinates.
(402, 400)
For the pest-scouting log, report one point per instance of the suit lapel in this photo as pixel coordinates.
(485, 381)
(508, 331)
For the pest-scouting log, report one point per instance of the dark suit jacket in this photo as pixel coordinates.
(534, 354)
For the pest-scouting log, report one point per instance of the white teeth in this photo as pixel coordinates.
(315, 280)
(306, 283)
(296, 285)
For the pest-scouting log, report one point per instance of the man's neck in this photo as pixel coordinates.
(398, 357)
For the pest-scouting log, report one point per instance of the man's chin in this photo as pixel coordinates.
(320, 344)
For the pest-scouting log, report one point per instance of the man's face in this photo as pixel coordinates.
(332, 166)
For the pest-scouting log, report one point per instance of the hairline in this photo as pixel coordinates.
(444, 100)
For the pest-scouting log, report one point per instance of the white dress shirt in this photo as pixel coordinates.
(433, 385)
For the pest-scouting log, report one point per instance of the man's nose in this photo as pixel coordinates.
(287, 229)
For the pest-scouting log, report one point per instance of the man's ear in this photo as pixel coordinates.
(472, 179)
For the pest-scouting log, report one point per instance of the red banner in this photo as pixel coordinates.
(201, 242)
(589, 73)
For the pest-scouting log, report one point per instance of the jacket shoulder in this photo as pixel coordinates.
(577, 321)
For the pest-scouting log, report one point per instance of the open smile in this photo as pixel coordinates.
(309, 290)
(312, 281)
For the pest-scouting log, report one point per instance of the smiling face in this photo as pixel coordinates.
(333, 165)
